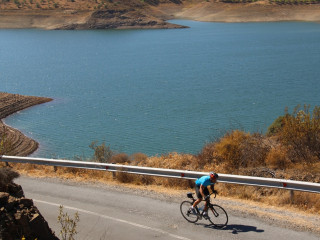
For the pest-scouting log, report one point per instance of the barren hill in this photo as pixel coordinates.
(112, 14)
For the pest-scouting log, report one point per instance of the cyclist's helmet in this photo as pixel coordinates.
(214, 175)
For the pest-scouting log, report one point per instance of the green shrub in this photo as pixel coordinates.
(102, 153)
(276, 126)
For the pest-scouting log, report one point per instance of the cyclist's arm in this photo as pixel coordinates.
(213, 190)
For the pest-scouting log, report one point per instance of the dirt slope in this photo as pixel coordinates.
(260, 11)
(17, 144)
(89, 14)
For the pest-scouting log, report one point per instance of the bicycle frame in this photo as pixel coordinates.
(209, 205)
(217, 215)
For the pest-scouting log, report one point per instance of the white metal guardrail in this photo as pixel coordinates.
(172, 173)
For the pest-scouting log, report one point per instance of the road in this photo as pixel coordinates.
(112, 214)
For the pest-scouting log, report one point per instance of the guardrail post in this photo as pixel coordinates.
(291, 195)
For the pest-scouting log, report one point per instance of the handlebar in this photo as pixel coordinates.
(208, 196)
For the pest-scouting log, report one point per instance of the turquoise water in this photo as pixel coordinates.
(157, 91)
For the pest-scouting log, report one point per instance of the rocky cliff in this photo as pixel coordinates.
(119, 19)
(18, 215)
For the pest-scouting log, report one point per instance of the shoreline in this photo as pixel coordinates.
(18, 143)
(155, 17)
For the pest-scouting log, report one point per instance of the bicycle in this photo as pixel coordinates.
(216, 214)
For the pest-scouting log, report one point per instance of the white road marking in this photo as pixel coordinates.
(115, 219)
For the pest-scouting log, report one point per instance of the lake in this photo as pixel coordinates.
(157, 91)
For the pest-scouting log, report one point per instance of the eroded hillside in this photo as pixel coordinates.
(111, 14)
(13, 142)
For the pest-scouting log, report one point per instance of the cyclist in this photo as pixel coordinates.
(202, 190)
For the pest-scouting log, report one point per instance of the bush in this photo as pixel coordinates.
(207, 154)
(68, 224)
(276, 126)
(124, 177)
(120, 158)
(138, 158)
(278, 158)
(238, 149)
(301, 133)
(102, 153)
(229, 148)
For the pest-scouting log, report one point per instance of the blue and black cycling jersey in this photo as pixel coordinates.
(204, 181)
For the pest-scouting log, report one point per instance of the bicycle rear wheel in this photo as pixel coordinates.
(217, 216)
(187, 213)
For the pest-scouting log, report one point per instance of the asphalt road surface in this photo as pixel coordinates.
(112, 214)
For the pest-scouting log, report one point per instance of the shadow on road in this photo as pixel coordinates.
(236, 228)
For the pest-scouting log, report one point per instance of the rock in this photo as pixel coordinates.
(3, 198)
(26, 202)
(120, 19)
(18, 216)
(39, 225)
(15, 190)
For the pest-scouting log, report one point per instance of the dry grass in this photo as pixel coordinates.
(263, 202)
(308, 202)
(266, 203)
(281, 154)
(277, 158)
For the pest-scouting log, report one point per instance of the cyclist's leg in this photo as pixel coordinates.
(197, 202)
(206, 192)
(198, 196)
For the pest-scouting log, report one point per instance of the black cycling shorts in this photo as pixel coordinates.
(205, 191)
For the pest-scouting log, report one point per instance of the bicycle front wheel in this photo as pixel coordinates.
(217, 216)
(187, 212)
